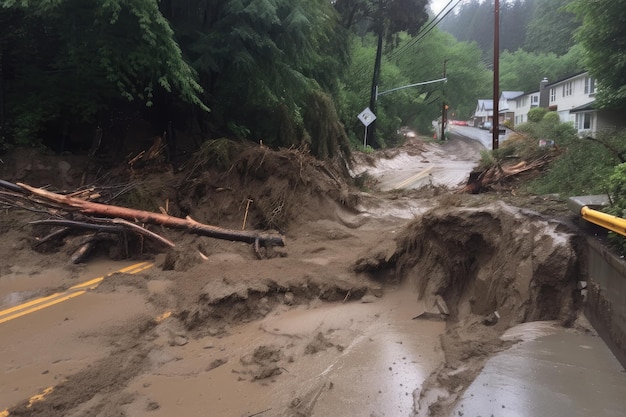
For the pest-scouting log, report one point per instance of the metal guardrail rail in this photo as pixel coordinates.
(586, 207)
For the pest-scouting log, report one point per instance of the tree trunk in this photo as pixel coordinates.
(188, 224)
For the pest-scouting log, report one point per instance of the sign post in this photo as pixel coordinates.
(366, 117)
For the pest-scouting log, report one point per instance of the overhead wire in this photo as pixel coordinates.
(421, 34)
(426, 30)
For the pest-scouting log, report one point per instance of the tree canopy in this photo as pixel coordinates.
(604, 41)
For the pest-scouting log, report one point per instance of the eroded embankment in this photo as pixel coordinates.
(493, 267)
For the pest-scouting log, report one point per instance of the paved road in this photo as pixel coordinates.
(445, 163)
(483, 136)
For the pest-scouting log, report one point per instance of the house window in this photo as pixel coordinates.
(567, 89)
(590, 85)
(552, 94)
(583, 121)
(534, 99)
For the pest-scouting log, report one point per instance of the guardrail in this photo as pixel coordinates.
(586, 207)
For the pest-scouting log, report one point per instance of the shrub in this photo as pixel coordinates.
(535, 115)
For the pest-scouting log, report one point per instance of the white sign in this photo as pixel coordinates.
(367, 117)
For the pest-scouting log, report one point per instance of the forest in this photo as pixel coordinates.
(104, 75)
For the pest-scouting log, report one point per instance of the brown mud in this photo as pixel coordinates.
(297, 333)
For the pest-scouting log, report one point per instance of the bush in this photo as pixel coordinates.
(535, 115)
(585, 164)
(616, 188)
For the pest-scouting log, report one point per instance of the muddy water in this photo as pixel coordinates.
(377, 358)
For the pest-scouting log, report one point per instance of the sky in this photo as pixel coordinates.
(438, 5)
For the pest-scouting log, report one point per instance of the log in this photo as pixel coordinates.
(119, 226)
(188, 224)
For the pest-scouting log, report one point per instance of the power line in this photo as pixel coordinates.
(429, 26)
(432, 24)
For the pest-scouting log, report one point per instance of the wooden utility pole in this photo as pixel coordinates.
(495, 126)
(444, 106)
(371, 129)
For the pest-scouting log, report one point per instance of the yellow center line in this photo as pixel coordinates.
(413, 178)
(74, 291)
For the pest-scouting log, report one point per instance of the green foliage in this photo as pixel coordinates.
(552, 28)
(523, 71)
(584, 164)
(604, 41)
(535, 115)
(75, 58)
(468, 78)
(260, 60)
(328, 137)
(473, 22)
(616, 189)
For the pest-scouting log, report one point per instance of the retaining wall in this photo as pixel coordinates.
(605, 306)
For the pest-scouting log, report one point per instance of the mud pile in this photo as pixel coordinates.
(275, 187)
(493, 258)
(487, 269)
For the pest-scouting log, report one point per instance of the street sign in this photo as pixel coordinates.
(367, 117)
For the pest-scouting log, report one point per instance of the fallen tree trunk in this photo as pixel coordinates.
(70, 203)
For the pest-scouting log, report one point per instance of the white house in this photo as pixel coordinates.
(573, 98)
(571, 93)
(522, 106)
(507, 105)
(483, 112)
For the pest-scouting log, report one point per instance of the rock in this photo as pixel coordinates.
(368, 299)
(289, 297)
(180, 341)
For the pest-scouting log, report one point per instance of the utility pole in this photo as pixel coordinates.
(496, 77)
(444, 106)
(375, 81)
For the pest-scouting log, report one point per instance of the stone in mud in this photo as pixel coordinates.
(369, 299)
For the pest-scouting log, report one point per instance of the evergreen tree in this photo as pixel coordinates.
(79, 57)
(552, 27)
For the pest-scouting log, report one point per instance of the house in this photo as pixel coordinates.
(507, 105)
(573, 98)
(483, 112)
(571, 93)
(522, 106)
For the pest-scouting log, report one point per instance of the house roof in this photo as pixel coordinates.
(485, 104)
(510, 95)
(569, 77)
(585, 107)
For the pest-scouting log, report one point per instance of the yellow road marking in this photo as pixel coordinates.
(74, 291)
(39, 397)
(160, 318)
(41, 306)
(413, 178)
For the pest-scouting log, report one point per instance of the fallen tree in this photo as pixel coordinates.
(101, 217)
